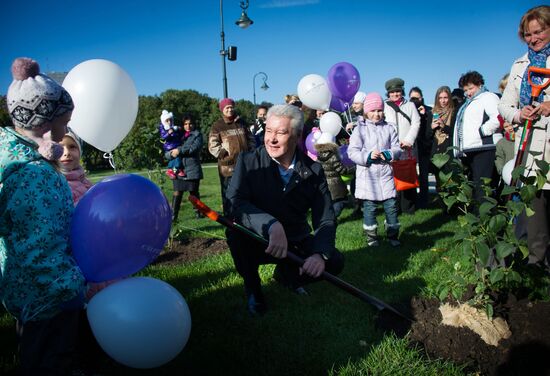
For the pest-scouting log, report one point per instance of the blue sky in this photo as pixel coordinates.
(175, 44)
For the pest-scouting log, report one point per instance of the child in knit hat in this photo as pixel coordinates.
(373, 145)
(40, 284)
(171, 136)
(328, 155)
(70, 166)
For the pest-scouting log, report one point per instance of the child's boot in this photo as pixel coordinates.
(171, 174)
(372, 237)
(392, 232)
(181, 174)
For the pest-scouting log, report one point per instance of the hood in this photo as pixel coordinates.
(15, 151)
(325, 151)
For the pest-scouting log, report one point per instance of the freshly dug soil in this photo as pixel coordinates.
(526, 352)
(189, 250)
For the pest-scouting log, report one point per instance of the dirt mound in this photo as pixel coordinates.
(526, 352)
(191, 249)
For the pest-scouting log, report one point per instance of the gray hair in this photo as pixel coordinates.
(295, 115)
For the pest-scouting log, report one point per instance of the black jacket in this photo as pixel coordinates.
(259, 198)
(190, 154)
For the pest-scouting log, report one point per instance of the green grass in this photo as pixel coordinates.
(327, 332)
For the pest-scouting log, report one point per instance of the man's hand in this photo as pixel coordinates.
(313, 266)
(278, 243)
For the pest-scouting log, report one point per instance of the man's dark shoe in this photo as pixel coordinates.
(256, 305)
(301, 291)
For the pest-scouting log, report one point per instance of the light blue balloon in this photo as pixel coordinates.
(140, 322)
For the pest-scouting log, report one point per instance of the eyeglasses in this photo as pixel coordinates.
(536, 34)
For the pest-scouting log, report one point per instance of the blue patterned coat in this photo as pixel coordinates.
(38, 272)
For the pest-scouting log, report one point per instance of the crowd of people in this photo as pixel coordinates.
(41, 180)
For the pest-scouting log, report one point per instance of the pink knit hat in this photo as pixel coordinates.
(226, 102)
(373, 101)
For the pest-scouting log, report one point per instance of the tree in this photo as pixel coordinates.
(4, 115)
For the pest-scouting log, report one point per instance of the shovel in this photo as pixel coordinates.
(215, 216)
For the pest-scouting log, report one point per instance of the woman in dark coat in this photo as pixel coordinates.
(189, 152)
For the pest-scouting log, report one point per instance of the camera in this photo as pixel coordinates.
(417, 102)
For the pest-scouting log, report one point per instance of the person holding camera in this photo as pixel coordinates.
(443, 120)
(424, 145)
(257, 129)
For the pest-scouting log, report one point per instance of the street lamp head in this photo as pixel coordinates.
(244, 21)
(264, 86)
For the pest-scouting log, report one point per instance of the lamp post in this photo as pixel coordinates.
(243, 22)
(263, 87)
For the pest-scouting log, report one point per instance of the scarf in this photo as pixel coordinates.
(442, 133)
(78, 182)
(459, 120)
(536, 59)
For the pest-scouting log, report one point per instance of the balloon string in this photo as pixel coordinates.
(109, 157)
(348, 118)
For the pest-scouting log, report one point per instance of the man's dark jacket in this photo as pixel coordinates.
(259, 198)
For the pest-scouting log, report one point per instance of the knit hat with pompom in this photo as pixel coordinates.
(34, 99)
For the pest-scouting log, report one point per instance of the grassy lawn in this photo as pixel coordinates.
(327, 332)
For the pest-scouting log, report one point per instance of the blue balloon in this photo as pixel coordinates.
(140, 322)
(119, 226)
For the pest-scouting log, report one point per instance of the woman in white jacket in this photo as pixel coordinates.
(477, 130)
(534, 30)
(402, 113)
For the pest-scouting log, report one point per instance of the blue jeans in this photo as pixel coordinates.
(175, 163)
(390, 208)
(338, 206)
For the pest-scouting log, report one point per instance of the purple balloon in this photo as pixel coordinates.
(119, 227)
(339, 105)
(310, 143)
(343, 150)
(344, 81)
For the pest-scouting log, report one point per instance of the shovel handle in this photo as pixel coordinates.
(213, 215)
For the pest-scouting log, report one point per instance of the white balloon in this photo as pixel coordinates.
(141, 322)
(314, 92)
(326, 138)
(507, 171)
(331, 123)
(105, 100)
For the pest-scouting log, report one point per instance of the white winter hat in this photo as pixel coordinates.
(165, 116)
(359, 97)
(35, 99)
